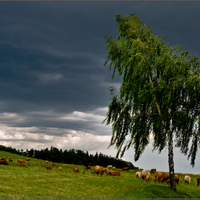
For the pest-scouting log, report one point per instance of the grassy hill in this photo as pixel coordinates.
(34, 181)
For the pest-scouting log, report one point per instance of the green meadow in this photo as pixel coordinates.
(34, 181)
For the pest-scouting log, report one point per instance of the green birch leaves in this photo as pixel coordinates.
(159, 93)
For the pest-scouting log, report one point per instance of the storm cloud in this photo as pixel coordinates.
(53, 82)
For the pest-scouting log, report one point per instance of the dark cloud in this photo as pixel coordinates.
(52, 53)
(53, 84)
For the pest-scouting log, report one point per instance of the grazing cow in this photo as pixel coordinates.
(145, 175)
(187, 179)
(176, 179)
(46, 162)
(114, 173)
(76, 170)
(22, 165)
(28, 159)
(99, 170)
(10, 160)
(88, 167)
(138, 174)
(125, 169)
(153, 170)
(198, 181)
(157, 176)
(3, 158)
(109, 166)
(48, 168)
(54, 164)
(164, 177)
(60, 169)
(3, 162)
(21, 161)
(113, 167)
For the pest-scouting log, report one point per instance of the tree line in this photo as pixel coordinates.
(72, 156)
(9, 149)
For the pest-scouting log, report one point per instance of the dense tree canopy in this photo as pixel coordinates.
(159, 93)
(77, 157)
(72, 156)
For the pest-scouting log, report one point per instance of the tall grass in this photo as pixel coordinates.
(34, 181)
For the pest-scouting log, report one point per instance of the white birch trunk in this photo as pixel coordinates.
(171, 164)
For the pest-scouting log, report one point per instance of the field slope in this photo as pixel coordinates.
(34, 181)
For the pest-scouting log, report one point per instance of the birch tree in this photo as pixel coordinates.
(159, 93)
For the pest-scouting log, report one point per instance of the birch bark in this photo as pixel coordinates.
(171, 163)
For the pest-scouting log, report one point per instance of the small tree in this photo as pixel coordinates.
(159, 93)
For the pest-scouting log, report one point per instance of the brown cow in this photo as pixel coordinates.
(153, 170)
(3, 162)
(198, 181)
(99, 170)
(157, 176)
(46, 162)
(48, 168)
(21, 161)
(176, 179)
(164, 177)
(88, 167)
(125, 169)
(10, 160)
(114, 173)
(3, 158)
(22, 165)
(28, 159)
(76, 170)
(109, 166)
(60, 169)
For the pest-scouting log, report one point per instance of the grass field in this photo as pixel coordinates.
(34, 181)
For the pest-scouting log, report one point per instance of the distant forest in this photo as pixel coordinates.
(71, 156)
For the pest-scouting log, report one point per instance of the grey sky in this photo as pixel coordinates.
(53, 85)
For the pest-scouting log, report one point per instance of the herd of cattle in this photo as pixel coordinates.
(20, 161)
(144, 174)
(165, 177)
